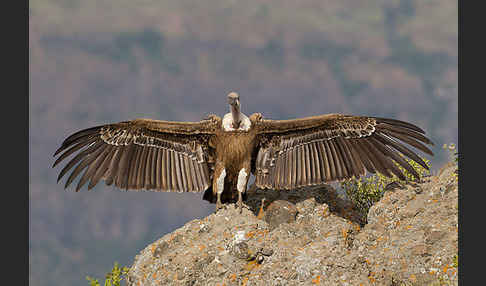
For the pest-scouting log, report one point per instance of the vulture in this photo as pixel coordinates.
(216, 156)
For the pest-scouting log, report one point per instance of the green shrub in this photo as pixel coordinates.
(366, 191)
(455, 261)
(113, 278)
(453, 153)
(453, 156)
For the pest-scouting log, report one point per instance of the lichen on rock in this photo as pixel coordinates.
(313, 237)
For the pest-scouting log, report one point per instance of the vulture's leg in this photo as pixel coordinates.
(240, 201)
(219, 205)
(241, 186)
(219, 187)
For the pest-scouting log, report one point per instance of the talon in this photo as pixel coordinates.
(240, 206)
(219, 206)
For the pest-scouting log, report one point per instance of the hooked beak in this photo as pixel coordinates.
(234, 99)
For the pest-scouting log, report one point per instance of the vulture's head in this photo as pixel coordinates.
(234, 99)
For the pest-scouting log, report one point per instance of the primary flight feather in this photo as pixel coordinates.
(218, 155)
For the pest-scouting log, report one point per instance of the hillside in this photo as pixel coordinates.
(312, 237)
(98, 61)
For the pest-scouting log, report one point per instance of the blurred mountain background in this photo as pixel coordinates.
(99, 61)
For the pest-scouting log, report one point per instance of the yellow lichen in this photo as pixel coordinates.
(316, 280)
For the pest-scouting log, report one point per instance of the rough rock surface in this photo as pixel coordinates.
(313, 237)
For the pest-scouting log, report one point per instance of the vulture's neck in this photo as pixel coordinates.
(236, 115)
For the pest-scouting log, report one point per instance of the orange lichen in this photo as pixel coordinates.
(252, 265)
(250, 234)
(445, 268)
(371, 278)
(233, 277)
(344, 232)
(316, 280)
(261, 212)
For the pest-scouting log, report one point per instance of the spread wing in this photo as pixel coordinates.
(142, 154)
(319, 149)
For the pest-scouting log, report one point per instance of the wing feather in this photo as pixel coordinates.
(80, 167)
(406, 132)
(387, 151)
(277, 172)
(197, 175)
(330, 161)
(308, 171)
(75, 148)
(206, 176)
(93, 167)
(395, 122)
(122, 166)
(299, 168)
(345, 157)
(325, 148)
(135, 165)
(76, 137)
(141, 169)
(360, 169)
(112, 170)
(337, 160)
(314, 164)
(409, 140)
(173, 175)
(77, 158)
(168, 169)
(85, 164)
(348, 158)
(377, 157)
(102, 168)
(148, 169)
(291, 172)
(183, 173)
(367, 162)
(305, 161)
(189, 175)
(141, 154)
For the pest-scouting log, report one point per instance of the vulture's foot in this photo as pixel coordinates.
(219, 206)
(240, 204)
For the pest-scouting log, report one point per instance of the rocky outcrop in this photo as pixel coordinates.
(314, 237)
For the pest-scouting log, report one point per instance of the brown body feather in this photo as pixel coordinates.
(146, 154)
